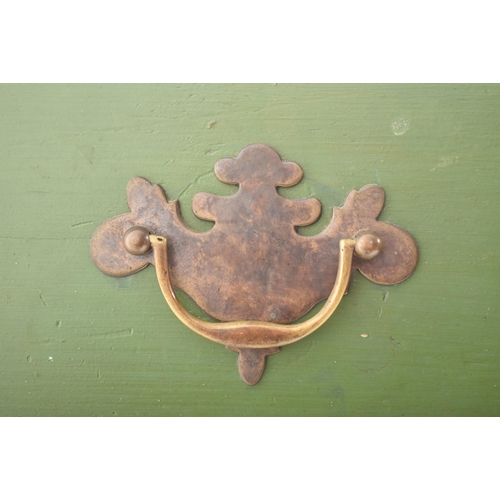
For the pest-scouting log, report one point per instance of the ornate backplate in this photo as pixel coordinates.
(252, 265)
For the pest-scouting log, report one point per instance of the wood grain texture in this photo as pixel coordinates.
(76, 342)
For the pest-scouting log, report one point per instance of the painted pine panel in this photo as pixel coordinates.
(74, 342)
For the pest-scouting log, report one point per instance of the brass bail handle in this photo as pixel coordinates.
(253, 340)
(253, 334)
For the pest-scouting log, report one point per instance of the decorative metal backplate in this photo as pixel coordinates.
(252, 265)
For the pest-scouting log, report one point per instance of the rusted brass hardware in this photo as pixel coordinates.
(252, 271)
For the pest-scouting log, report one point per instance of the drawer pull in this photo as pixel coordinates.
(252, 271)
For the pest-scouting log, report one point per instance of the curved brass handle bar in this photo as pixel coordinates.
(253, 334)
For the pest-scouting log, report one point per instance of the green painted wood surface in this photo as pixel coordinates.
(76, 342)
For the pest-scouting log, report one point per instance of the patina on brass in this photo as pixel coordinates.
(252, 270)
(253, 334)
(136, 240)
(254, 340)
(368, 245)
